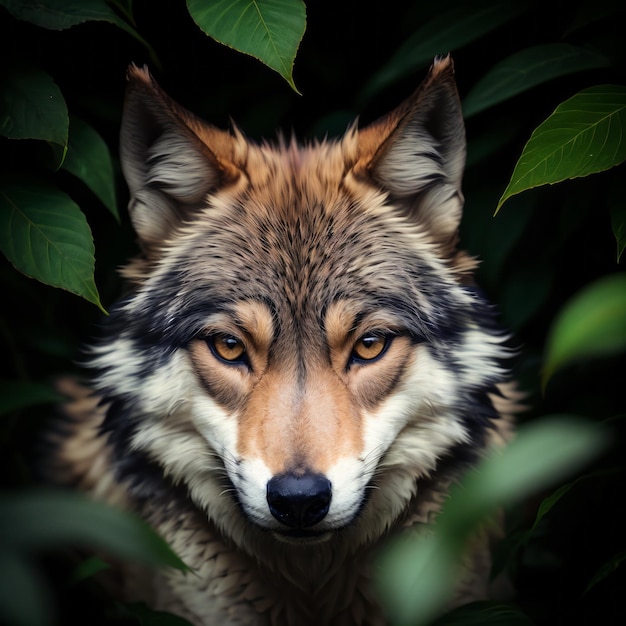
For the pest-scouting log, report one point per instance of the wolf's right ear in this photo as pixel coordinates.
(166, 160)
(417, 154)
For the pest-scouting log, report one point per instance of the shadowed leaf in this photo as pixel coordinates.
(606, 570)
(618, 224)
(526, 69)
(89, 159)
(448, 32)
(32, 107)
(62, 14)
(46, 236)
(17, 394)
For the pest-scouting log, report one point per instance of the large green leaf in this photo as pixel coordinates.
(584, 135)
(89, 159)
(447, 32)
(591, 324)
(43, 519)
(526, 69)
(417, 573)
(46, 236)
(269, 30)
(32, 107)
(62, 14)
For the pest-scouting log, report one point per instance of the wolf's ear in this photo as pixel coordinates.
(165, 158)
(417, 153)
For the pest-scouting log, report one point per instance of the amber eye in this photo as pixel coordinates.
(227, 348)
(369, 347)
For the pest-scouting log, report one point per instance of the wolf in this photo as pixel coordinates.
(301, 365)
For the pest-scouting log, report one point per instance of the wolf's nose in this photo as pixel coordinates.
(299, 501)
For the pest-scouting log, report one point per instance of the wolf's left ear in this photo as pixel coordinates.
(166, 159)
(417, 153)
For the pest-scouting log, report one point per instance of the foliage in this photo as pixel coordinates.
(544, 99)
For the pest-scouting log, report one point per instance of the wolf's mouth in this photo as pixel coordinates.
(302, 536)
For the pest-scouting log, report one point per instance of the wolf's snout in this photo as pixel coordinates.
(299, 501)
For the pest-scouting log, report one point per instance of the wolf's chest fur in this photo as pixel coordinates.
(302, 364)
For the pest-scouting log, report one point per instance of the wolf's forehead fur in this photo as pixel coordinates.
(298, 232)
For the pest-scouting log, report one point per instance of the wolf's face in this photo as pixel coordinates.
(301, 324)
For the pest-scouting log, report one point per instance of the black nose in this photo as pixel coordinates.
(299, 501)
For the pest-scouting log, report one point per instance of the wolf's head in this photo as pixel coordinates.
(302, 342)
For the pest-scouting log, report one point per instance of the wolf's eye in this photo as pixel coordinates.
(369, 347)
(227, 348)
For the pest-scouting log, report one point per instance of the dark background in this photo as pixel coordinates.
(544, 246)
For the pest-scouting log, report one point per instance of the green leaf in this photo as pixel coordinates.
(591, 324)
(32, 107)
(89, 159)
(526, 69)
(416, 574)
(447, 32)
(43, 519)
(62, 14)
(16, 395)
(46, 236)
(269, 30)
(584, 135)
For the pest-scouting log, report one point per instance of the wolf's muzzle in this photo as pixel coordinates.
(299, 501)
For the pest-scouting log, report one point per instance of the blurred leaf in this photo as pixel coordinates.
(32, 107)
(591, 324)
(526, 69)
(268, 30)
(17, 394)
(491, 139)
(590, 11)
(447, 32)
(484, 614)
(550, 501)
(88, 568)
(618, 224)
(24, 596)
(525, 291)
(62, 14)
(606, 570)
(494, 239)
(417, 572)
(46, 236)
(89, 159)
(41, 519)
(584, 135)
(148, 617)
